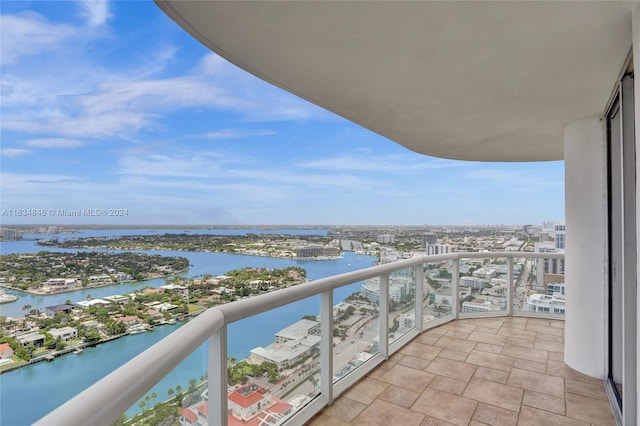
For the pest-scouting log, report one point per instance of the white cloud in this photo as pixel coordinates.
(13, 152)
(27, 34)
(365, 161)
(237, 133)
(57, 143)
(96, 12)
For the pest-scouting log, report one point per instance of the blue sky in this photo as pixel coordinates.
(110, 105)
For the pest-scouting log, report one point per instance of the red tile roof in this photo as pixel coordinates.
(188, 414)
(4, 347)
(246, 401)
(280, 407)
(204, 409)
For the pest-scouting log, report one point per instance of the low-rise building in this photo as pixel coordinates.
(5, 351)
(544, 303)
(65, 333)
(36, 339)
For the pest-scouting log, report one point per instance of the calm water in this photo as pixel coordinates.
(29, 393)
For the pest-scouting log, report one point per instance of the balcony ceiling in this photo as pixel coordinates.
(487, 81)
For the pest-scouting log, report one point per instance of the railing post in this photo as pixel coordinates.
(384, 315)
(217, 378)
(510, 286)
(455, 296)
(326, 345)
(418, 272)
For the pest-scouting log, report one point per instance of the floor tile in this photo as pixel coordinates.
(478, 372)
(407, 377)
(455, 344)
(496, 416)
(492, 375)
(399, 396)
(534, 417)
(420, 350)
(486, 347)
(589, 389)
(524, 364)
(595, 411)
(454, 355)
(445, 406)
(432, 421)
(537, 382)
(544, 402)
(414, 362)
(448, 384)
(450, 368)
(486, 359)
(530, 354)
(492, 393)
(366, 390)
(382, 413)
(492, 339)
(345, 409)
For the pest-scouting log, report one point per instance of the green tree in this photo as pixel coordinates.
(26, 309)
(154, 396)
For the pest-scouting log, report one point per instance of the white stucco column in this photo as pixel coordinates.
(586, 246)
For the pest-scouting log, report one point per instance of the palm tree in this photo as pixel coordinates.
(170, 393)
(141, 405)
(26, 309)
(146, 400)
(192, 385)
(154, 396)
(178, 389)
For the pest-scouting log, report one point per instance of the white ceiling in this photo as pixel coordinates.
(488, 81)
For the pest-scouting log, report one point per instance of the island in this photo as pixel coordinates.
(51, 272)
(47, 332)
(314, 247)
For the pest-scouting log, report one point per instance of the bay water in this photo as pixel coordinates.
(28, 393)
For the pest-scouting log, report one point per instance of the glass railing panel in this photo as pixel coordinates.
(179, 393)
(356, 327)
(483, 286)
(438, 292)
(402, 296)
(274, 363)
(539, 286)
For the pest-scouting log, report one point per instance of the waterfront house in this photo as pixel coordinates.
(65, 333)
(129, 320)
(5, 351)
(35, 339)
(51, 311)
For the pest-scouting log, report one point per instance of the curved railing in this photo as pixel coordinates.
(105, 401)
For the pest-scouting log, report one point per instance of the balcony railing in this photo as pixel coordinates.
(401, 300)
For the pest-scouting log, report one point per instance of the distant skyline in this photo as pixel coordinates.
(110, 105)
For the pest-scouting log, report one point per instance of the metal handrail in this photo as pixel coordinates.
(106, 400)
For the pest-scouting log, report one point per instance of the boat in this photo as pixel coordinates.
(78, 351)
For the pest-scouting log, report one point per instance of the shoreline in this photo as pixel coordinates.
(55, 354)
(103, 248)
(42, 293)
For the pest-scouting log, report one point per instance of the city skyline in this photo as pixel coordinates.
(111, 106)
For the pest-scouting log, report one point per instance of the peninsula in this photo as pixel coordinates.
(50, 272)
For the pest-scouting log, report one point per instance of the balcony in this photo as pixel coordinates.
(503, 370)
(467, 359)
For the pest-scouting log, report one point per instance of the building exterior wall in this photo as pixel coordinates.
(586, 252)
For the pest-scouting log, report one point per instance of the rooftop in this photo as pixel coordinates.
(501, 370)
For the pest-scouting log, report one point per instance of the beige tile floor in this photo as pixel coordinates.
(489, 371)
